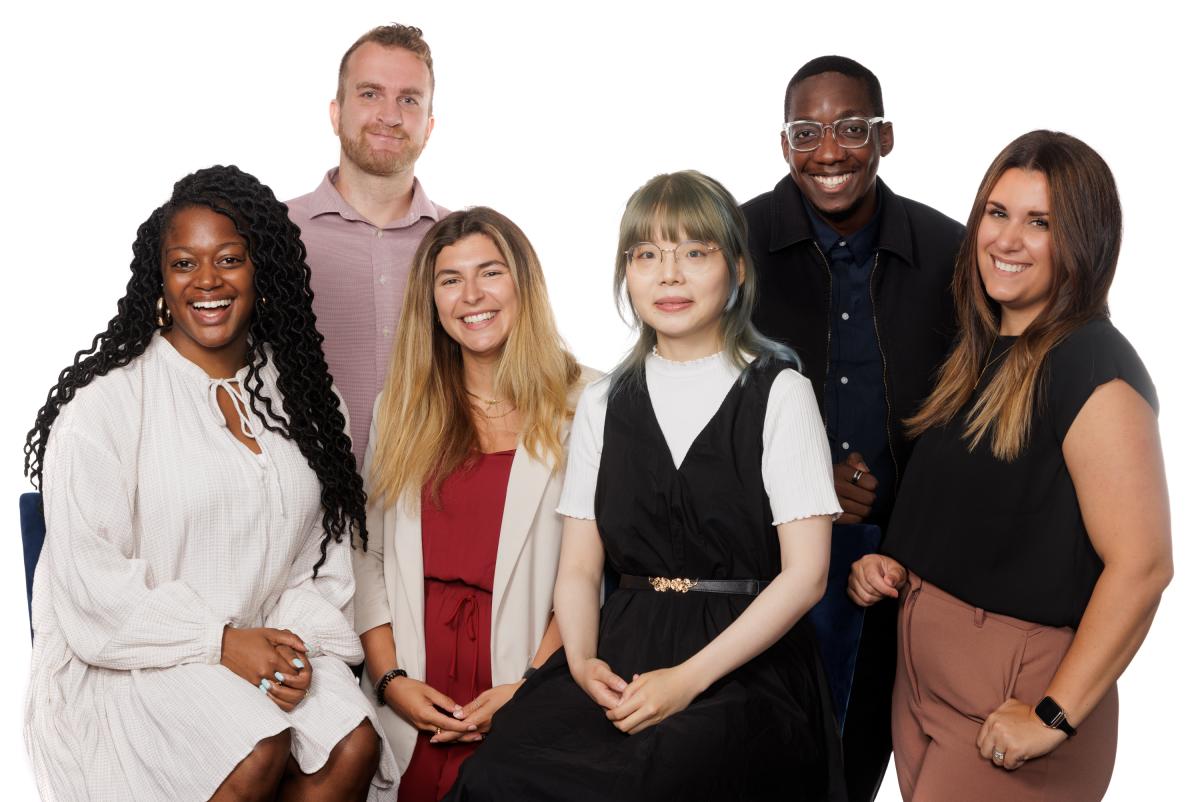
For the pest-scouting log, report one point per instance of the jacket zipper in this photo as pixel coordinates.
(828, 326)
(887, 395)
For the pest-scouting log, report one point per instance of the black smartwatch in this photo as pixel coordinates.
(1053, 716)
(381, 686)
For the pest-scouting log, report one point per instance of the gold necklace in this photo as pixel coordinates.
(990, 362)
(489, 403)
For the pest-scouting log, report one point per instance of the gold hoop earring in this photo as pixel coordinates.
(162, 313)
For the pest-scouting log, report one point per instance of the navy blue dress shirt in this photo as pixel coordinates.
(855, 404)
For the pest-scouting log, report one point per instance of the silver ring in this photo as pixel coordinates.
(997, 756)
(858, 474)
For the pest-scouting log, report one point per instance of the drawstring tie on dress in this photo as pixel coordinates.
(467, 614)
(250, 427)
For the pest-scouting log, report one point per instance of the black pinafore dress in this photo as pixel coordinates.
(763, 732)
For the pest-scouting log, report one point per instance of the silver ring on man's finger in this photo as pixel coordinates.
(854, 477)
(997, 756)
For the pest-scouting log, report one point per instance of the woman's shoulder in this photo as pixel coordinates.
(1097, 336)
(107, 410)
(1090, 356)
(590, 389)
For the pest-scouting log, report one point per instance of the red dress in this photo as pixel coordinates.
(459, 543)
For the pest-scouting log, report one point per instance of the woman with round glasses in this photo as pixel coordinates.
(700, 473)
(1030, 543)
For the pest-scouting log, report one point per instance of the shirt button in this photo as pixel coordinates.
(387, 331)
(383, 279)
(845, 380)
(845, 446)
(379, 233)
(845, 315)
(842, 243)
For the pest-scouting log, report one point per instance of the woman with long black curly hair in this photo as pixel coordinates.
(191, 607)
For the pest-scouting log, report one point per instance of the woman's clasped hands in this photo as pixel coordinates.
(275, 660)
(644, 701)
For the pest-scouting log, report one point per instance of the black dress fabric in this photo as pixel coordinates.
(763, 732)
(1009, 537)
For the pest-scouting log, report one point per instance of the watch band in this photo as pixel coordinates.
(381, 686)
(1052, 715)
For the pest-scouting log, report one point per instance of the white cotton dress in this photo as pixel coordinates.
(161, 528)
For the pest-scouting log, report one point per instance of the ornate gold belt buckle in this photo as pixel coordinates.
(662, 584)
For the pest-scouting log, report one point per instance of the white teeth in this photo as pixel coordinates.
(212, 304)
(479, 318)
(1008, 267)
(831, 181)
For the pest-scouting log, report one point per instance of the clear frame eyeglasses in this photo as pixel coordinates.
(848, 132)
(691, 256)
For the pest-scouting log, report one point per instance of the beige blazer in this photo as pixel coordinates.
(390, 579)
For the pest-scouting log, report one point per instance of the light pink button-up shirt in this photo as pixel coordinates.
(359, 272)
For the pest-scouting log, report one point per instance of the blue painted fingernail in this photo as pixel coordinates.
(279, 676)
(298, 663)
(264, 686)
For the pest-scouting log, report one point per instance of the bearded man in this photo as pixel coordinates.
(362, 224)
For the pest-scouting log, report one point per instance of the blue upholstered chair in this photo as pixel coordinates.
(836, 620)
(33, 534)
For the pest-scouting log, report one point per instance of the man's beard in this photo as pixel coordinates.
(379, 162)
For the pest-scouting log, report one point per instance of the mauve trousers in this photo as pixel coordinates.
(958, 663)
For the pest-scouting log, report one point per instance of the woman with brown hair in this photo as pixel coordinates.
(464, 468)
(1030, 543)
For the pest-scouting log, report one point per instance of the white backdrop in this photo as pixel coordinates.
(554, 114)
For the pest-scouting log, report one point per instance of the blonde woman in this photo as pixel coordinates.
(464, 469)
(1031, 540)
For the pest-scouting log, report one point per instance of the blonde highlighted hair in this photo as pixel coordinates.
(424, 424)
(1085, 239)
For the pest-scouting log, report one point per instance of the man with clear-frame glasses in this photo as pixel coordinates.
(856, 279)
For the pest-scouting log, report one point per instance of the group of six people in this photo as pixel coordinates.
(572, 586)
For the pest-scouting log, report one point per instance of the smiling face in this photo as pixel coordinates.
(475, 296)
(208, 286)
(1013, 248)
(683, 308)
(383, 114)
(839, 182)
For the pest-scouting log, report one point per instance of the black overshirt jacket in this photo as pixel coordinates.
(910, 286)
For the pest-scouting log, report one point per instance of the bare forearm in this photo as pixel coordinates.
(577, 613)
(379, 645)
(804, 553)
(1116, 621)
(775, 611)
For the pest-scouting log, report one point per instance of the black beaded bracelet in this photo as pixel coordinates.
(381, 686)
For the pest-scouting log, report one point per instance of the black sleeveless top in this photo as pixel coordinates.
(710, 518)
(1009, 536)
(763, 732)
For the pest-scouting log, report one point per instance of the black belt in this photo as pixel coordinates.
(662, 584)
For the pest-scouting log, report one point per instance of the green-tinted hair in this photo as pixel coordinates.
(691, 205)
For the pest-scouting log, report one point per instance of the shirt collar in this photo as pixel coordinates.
(327, 200)
(790, 223)
(861, 243)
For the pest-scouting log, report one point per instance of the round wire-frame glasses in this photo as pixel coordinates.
(691, 256)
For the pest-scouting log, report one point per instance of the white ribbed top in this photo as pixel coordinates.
(797, 469)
